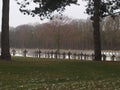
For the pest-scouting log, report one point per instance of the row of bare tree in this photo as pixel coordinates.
(65, 34)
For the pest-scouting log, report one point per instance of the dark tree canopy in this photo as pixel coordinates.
(44, 8)
(107, 8)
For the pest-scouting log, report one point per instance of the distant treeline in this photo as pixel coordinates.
(65, 33)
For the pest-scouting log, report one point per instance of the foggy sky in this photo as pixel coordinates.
(17, 18)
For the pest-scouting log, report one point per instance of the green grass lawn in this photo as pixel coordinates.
(46, 74)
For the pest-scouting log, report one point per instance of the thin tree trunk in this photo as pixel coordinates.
(96, 26)
(5, 48)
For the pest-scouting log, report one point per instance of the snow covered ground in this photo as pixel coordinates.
(31, 53)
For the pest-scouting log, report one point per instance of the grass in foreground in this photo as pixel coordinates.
(46, 74)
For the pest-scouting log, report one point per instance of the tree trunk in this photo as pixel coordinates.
(96, 33)
(5, 48)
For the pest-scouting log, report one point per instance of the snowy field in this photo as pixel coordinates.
(31, 53)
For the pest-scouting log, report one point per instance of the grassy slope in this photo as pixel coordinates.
(42, 74)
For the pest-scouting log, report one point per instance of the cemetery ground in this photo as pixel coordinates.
(24, 73)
